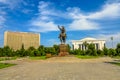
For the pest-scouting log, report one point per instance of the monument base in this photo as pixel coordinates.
(63, 50)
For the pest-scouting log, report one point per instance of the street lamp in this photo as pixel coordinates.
(112, 41)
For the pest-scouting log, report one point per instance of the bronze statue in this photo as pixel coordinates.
(62, 35)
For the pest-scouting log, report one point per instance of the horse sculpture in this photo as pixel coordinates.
(62, 35)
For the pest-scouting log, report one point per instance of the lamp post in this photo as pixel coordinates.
(112, 41)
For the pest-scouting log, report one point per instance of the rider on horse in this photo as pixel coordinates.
(62, 35)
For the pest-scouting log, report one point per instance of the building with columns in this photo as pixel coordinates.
(80, 44)
(15, 40)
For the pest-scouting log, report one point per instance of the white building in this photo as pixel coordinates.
(79, 44)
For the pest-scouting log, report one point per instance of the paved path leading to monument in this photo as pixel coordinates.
(62, 68)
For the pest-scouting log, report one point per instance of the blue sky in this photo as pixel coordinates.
(82, 18)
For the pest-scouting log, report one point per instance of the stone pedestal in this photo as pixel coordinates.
(63, 50)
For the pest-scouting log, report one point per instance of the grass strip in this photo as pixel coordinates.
(116, 63)
(4, 65)
(86, 57)
(38, 58)
(7, 58)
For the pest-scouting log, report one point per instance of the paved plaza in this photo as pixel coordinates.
(62, 68)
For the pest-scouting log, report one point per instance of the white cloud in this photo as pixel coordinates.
(75, 13)
(12, 4)
(3, 1)
(47, 9)
(26, 11)
(2, 18)
(44, 22)
(41, 26)
(83, 24)
(107, 37)
(82, 21)
(107, 12)
(113, 1)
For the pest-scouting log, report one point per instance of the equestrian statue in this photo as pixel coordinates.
(62, 35)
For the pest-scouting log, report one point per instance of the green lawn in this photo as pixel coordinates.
(116, 57)
(7, 58)
(116, 63)
(86, 57)
(4, 65)
(38, 58)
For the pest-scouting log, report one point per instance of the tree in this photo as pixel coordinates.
(50, 50)
(7, 51)
(36, 53)
(118, 49)
(1, 52)
(56, 47)
(92, 48)
(41, 47)
(100, 52)
(112, 52)
(31, 51)
(85, 44)
(69, 48)
(22, 51)
(76, 52)
(105, 51)
(41, 50)
(88, 52)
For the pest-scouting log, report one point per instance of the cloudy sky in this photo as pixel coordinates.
(82, 18)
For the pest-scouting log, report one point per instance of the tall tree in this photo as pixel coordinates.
(85, 44)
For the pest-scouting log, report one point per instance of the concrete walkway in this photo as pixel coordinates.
(62, 68)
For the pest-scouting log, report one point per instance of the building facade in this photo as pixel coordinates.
(15, 40)
(80, 44)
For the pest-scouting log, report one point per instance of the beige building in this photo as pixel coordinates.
(15, 40)
(79, 44)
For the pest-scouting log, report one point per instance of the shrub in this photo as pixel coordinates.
(6, 51)
(100, 52)
(88, 52)
(112, 52)
(36, 53)
(50, 50)
(76, 52)
(92, 48)
(31, 51)
(105, 51)
(41, 50)
(56, 47)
